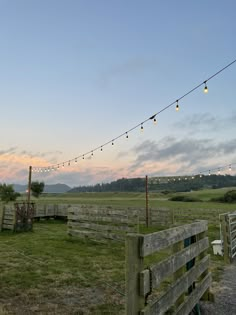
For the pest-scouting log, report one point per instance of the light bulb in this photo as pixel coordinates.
(155, 121)
(76, 160)
(177, 106)
(205, 88)
(101, 148)
(127, 136)
(141, 127)
(112, 143)
(83, 157)
(230, 168)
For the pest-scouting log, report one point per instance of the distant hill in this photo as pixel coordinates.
(56, 188)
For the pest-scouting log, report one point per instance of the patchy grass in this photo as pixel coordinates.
(46, 271)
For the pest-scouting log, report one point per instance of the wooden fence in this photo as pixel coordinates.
(190, 215)
(87, 221)
(17, 217)
(187, 266)
(8, 217)
(228, 235)
(51, 211)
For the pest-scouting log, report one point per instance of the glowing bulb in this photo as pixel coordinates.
(230, 168)
(205, 88)
(209, 173)
(58, 166)
(219, 171)
(177, 106)
(63, 165)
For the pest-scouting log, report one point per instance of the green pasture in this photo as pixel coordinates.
(48, 272)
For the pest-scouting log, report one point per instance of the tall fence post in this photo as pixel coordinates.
(134, 265)
(225, 235)
(147, 209)
(29, 184)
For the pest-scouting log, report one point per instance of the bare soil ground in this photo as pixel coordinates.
(225, 294)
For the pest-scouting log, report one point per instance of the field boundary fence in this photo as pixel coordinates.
(187, 266)
(101, 223)
(228, 235)
(190, 215)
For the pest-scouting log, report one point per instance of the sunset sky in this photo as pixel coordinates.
(77, 74)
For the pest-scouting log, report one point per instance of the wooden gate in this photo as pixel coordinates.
(186, 264)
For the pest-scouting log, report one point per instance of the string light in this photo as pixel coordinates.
(142, 127)
(177, 105)
(153, 117)
(127, 136)
(69, 163)
(76, 160)
(101, 148)
(205, 88)
(230, 168)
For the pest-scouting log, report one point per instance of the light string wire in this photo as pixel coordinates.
(140, 125)
(209, 171)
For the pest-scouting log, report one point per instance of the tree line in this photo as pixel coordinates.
(162, 184)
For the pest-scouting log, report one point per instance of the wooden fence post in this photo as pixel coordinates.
(134, 265)
(1, 216)
(225, 235)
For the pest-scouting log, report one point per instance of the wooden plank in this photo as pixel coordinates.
(181, 286)
(194, 297)
(170, 265)
(100, 227)
(95, 235)
(159, 240)
(8, 226)
(99, 218)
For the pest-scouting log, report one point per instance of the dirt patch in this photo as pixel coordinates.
(70, 300)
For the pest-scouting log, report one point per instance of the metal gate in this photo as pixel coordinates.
(228, 235)
(24, 216)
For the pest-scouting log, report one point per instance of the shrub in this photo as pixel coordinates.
(185, 199)
(229, 197)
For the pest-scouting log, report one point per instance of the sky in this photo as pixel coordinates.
(76, 74)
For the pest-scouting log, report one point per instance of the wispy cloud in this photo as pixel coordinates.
(206, 122)
(128, 68)
(183, 154)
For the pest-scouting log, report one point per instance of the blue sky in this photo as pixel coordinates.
(76, 74)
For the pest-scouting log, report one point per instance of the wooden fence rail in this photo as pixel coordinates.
(187, 266)
(99, 223)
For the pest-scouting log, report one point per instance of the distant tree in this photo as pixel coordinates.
(7, 193)
(37, 188)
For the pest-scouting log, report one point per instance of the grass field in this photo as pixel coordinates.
(47, 272)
